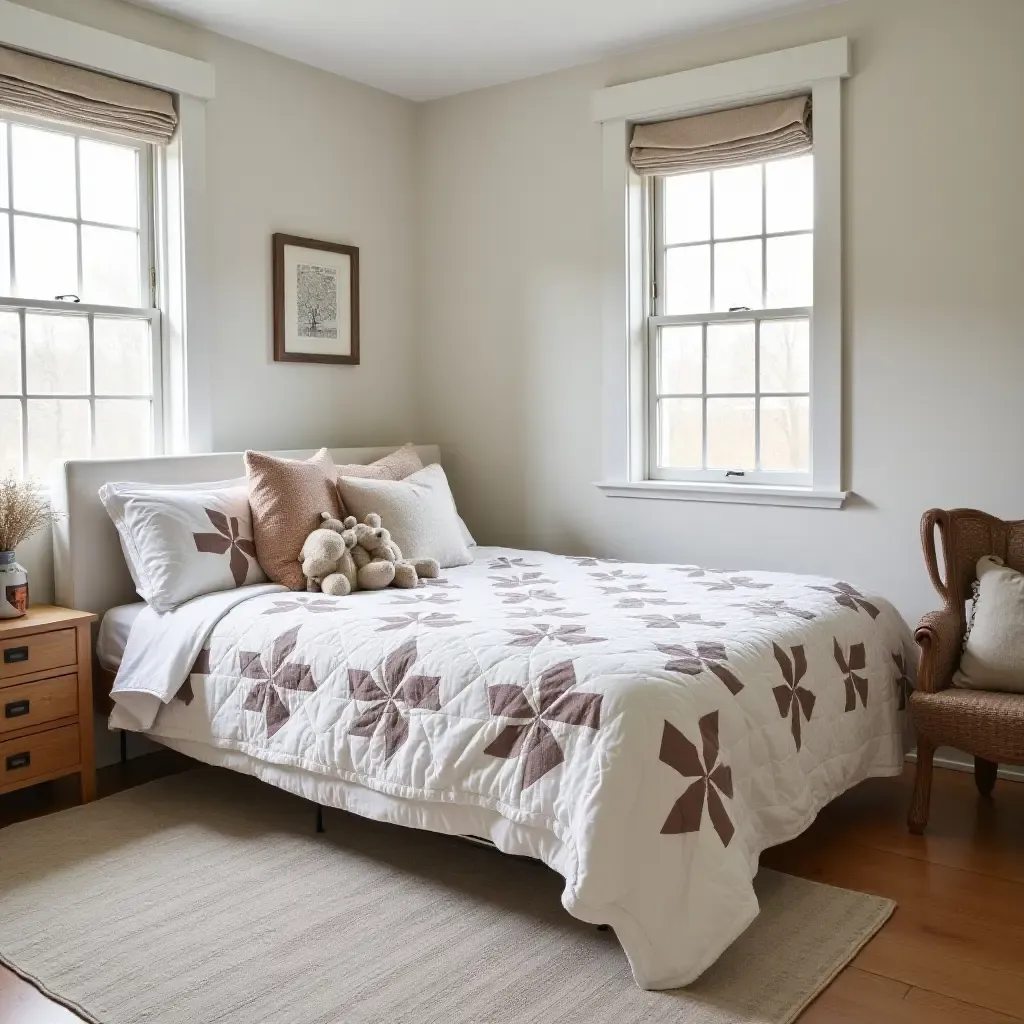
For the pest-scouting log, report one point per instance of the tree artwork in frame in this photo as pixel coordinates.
(316, 301)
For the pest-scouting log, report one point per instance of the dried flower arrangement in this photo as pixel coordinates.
(24, 510)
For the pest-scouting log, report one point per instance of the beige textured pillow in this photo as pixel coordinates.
(396, 466)
(419, 511)
(993, 656)
(287, 497)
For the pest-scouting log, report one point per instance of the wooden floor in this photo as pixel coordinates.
(953, 953)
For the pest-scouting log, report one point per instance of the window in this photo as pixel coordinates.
(693, 390)
(80, 356)
(729, 335)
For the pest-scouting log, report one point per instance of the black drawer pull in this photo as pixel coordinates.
(22, 760)
(16, 708)
(15, 654)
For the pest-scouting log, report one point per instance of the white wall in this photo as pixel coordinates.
(509, 279)
(291, 149)
(494, 198)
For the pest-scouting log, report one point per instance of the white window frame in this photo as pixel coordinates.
(23, 305)
(178, 241)
(817, 68)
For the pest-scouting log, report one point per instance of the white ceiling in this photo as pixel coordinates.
(424, 49)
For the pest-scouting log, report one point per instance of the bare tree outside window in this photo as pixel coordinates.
(317, 301)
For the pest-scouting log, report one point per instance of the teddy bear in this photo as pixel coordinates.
(379, 561)
(326, 557)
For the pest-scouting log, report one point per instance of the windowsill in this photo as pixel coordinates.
(737, 494)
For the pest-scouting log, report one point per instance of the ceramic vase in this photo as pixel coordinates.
(13, 587)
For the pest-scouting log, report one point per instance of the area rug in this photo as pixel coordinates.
(208, 897)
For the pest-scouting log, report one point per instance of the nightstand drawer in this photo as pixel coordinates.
(41, 754)
(37, 653)
(45, 700)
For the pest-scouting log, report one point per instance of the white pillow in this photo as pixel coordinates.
(419, 512)
(993, 655)
(183, 540)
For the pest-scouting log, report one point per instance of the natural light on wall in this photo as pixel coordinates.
(730, 330)
(79, 359)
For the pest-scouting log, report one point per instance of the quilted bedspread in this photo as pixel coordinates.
(645, 729)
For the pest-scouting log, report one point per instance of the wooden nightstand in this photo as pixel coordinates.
(46, 724)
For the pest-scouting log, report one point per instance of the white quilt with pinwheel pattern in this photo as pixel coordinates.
(645, 729)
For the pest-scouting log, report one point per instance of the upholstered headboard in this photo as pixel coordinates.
(89, 568)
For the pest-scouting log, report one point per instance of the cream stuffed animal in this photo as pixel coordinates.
(326, 557)
(379, 561)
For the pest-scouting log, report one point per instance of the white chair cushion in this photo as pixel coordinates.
(993, 656)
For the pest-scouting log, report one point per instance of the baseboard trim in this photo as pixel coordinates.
(960, 762)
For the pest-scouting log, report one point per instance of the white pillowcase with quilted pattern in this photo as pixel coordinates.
(181, 541)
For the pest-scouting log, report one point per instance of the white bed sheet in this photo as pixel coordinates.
(115, 626)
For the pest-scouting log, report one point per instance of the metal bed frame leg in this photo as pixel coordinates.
(319, 819)
(124, 746)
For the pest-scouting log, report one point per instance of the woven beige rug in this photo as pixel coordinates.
(207, 897)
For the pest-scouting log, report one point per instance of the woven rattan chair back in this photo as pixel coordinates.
(965, 534)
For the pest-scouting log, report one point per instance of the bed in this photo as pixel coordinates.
(645, 730)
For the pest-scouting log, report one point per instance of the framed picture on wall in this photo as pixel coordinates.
(316, 301)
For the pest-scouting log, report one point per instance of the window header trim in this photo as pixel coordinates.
(732, 83)
(59, 39)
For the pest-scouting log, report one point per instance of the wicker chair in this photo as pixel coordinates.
(988, 725)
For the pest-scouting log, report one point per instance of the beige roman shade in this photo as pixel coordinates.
(723, 138)
(84, 99)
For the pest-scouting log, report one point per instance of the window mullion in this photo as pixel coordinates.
(92, 383)
(658, 247)
(711, 237)
(757, 395)
(704, 397)
(156, 383)
(742, 238)
(144, 177)
(739, 316)
(7, 201)
(82, 308)
(757, 320)
(10, 199)
(764, 237)
(653, 399)
(78, 212)
(59, 219)
(22, 327)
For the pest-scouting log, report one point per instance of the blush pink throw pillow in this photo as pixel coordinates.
(287, 497)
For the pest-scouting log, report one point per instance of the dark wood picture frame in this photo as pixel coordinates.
(281, 355)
